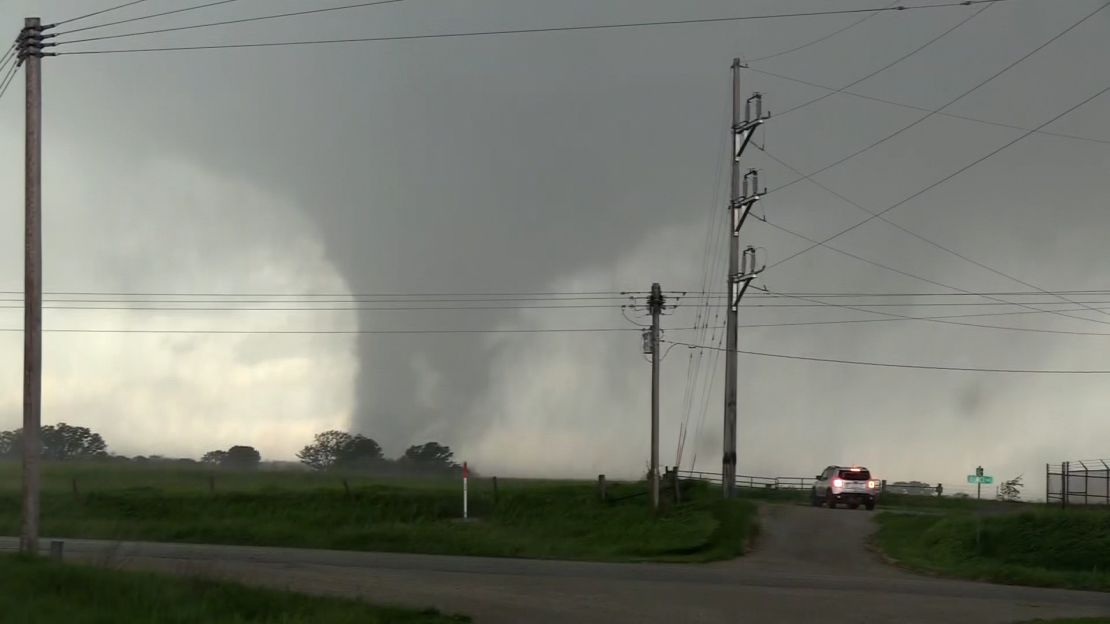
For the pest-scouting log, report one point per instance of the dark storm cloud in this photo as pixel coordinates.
(508, 164)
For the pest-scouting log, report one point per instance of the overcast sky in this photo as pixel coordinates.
(565, 161)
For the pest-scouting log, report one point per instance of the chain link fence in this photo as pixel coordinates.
(1081, 482)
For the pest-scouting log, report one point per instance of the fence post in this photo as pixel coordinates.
(1047, 488)
(677, 486)
(76, 492)
(1106, 472)
(1086, 483)
(1064, 490)
(56, 550)
(347, 487)
(940, 489)
(495, 490)
(601, 486)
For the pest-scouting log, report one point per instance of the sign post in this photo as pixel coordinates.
(979, 479)
(466, 479)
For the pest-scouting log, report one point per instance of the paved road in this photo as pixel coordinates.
(811, 565)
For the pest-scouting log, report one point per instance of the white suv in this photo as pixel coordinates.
(852, 485)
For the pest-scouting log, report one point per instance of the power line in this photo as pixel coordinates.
(625, 25)
(227, 22)
(890, 64)
(613, 301)
(926, 305)
(503, 296)
(341, 331)
(9, 77)
(918, 277)
(872, 98)
(712, 262)
(949, 316)
(818, 40)
(949, 176)
(953, 101)
(945, 322)
(136, 19)
(707, 393)
(484, 297)
(912, 366)
(74, 293)
(9, 54)
(316, 309)
(946, 294)
(101, 12)
(919, 237)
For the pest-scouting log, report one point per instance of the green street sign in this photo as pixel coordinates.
(985, 480)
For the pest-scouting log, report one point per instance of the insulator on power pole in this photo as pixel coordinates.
(756, 102)
(751, 184)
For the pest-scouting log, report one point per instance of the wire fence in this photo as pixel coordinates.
(750, 481)
(909, 488)
(1081, 482)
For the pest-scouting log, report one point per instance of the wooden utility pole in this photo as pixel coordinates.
(30, 53)
(655, 303)
(742, 198)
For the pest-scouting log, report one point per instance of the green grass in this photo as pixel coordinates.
(540, 519)
(1094, 620)
(950, 503)
(1051, 548)
(41, 592)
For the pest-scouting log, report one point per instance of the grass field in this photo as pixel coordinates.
(1047, 547)
(40, 592)
(564, 520)
(1096, 620)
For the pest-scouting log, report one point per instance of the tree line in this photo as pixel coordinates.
(329, 451)
(339, 450)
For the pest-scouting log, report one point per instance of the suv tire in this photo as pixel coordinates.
(830, 499)
(813, 500)
(870, 505)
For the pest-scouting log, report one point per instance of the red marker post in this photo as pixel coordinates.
(466, 479)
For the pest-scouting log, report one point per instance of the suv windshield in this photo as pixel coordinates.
(855, 475)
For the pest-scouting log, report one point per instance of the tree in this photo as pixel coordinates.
(429, 457)
(325, 450)
(360, 452)
(68, 442)
(334, 449)
(241, 457)
(10, 442)
(1010, 491)
(213, 457)
(59, 443)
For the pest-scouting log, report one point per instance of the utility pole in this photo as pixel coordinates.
(30, 53)
(655, 303)
(745, 192)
